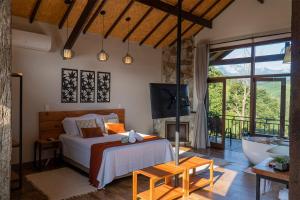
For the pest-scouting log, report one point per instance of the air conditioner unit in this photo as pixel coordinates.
(29, 40)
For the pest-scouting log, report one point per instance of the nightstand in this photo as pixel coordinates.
(41, 145)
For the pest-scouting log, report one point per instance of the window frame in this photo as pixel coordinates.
(253, 77)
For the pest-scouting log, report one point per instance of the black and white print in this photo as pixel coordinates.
(87, 86)
(69, 85)
(103, 87)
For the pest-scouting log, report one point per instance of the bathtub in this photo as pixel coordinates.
(255, 148)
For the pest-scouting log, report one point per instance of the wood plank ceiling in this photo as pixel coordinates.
(148, 25)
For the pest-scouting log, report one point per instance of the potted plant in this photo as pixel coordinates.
(281, 163)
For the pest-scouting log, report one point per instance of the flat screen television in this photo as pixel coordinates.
(163, 100)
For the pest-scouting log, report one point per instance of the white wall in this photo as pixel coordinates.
(248, 17)
(42, 78)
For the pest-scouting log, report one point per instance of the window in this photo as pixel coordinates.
(232, 62)
(263, 75)
(272, 67)
(270, 49)
(230, 70)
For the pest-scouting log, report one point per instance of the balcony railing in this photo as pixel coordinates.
(235, 126)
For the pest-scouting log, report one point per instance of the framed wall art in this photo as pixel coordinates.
(103, 87)
(87, 86)
(69, 85)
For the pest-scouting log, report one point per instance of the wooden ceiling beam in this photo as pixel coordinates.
(137, 24)
(118, 19)
(207, 11)
(174, 11)
(66, 15)
(94, 16)
(80, 23)
(34, 10)
(203, 15)
(174, 27)
(223, 9)
(154, 28)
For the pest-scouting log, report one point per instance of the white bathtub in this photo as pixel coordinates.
(255, 148)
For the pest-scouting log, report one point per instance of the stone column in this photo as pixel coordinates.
(294, 192)
(5, 98)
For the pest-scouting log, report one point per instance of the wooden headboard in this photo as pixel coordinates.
(50, 123)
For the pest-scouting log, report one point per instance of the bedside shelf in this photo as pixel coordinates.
(162, 192)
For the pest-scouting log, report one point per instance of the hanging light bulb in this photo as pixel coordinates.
(67, 53)
(127, 59)
(102, 55)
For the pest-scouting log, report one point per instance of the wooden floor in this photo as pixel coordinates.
(231, 182)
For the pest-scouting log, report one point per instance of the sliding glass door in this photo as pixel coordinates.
(270, 106)
(216, 113)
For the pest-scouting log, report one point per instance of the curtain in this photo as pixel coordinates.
(201, 139)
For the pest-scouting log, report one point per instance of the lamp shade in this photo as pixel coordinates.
(102, 56)
(128, 59)
(68, 54)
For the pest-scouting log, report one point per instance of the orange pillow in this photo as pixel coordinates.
(114, 128)
(91, 132)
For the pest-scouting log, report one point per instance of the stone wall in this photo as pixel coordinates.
(187, 77)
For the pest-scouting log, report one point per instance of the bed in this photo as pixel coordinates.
(116, 161)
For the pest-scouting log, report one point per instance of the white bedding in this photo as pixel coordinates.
(117, 161)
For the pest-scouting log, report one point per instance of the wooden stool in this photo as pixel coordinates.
(194, 182)
(156, 173)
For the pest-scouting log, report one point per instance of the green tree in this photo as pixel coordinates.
(238, 98)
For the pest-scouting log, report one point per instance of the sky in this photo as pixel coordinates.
(273, 67)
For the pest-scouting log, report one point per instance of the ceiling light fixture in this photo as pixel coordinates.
(127, 59)
(67, 53)
(102, 55)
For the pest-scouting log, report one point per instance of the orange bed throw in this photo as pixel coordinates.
(97, 154)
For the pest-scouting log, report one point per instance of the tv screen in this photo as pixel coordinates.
(163, 100)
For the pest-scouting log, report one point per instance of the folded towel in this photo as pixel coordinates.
(125, 139)
(132, 139)
(131, 136)
(138, 137)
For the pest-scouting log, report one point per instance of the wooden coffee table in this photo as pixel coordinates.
(193, 181)
(156, 173)
(262, 170)
(167, 171)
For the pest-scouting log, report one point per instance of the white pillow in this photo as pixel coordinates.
(70, 127)
(111, 118)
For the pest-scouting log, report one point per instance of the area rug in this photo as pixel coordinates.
(61, 183)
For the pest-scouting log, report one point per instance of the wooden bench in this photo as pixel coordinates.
(194, 181)
(156, 173)
(166, 171)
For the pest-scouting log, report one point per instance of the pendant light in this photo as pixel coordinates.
(102, 55)
(127, 59)
(67, 53)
